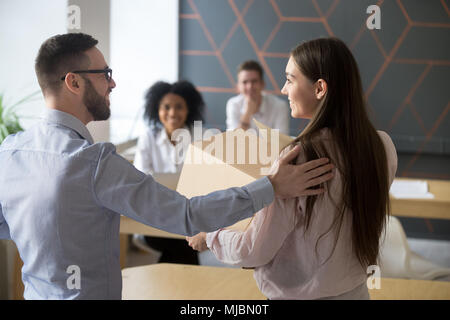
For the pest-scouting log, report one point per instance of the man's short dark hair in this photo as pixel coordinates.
(251, 65)
(59, 55)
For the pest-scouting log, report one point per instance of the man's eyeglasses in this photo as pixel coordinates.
(107, 72)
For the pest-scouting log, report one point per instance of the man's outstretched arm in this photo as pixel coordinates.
(122, 188)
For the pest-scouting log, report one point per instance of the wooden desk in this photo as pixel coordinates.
(165, 281)
(437, 208)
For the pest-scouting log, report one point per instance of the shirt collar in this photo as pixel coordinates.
(67, 120)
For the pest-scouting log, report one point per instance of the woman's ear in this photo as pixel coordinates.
(321, 89)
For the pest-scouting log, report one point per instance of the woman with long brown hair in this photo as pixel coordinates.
(317, 247)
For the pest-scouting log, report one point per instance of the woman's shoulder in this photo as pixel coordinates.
(387, 141)
(389, 146)
(384, 136)
(324, 136)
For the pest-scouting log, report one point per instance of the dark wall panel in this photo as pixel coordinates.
(405, 66)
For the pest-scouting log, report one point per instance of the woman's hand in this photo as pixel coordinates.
(198, 242)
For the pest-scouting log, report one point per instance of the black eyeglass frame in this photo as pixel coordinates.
(107, 72)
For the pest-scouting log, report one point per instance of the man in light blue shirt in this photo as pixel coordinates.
(61, 194)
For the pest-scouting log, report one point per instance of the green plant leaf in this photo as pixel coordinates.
(3, 132)
(9, 120)
(14, 127)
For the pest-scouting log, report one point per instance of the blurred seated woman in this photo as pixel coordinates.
(168, 107)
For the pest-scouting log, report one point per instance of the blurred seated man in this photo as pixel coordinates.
(253, 102)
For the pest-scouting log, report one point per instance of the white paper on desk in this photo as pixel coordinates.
(410, 189)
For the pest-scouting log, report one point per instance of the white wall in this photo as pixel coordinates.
(24, 25)
(144, 49)
(95, 20)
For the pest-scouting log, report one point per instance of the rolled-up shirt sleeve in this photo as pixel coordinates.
(120, 187)
(4, 229)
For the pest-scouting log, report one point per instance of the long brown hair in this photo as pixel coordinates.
(359, 153)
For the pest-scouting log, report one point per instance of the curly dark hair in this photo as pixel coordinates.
(184, 89)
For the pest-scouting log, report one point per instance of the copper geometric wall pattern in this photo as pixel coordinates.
(405, 66)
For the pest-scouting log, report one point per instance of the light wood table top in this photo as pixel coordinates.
(166, 281)
(437, 208)
(409, 289)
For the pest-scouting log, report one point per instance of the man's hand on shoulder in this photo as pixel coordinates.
(295, 180)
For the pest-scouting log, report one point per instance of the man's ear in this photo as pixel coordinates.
(321, 89)
(73, 83)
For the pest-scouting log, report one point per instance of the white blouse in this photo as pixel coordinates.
(287, 265)
(156, 153)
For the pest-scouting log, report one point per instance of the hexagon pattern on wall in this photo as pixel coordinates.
(404, 66)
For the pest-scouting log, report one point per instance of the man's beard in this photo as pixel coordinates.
(95, 103)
